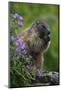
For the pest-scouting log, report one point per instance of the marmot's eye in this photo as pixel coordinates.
(43, 27)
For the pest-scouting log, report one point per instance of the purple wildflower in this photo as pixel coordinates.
(17, 44)
(18, 19)
(19, 41)
(12, 38)
(19, 23)
(20, 46)
(23, 46)
(17, 50)
(38, 72)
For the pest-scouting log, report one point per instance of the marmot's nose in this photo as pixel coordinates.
(48, 32)
(48, 38)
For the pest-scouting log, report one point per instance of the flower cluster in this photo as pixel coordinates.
(21, 48)
(18, 19)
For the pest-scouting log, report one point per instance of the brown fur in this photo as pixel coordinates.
(36, 45)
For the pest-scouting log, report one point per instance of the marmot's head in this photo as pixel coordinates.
(39, 37)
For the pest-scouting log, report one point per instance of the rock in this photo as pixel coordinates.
(47, 78)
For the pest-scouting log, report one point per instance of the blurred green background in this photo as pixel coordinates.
(32, 12)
